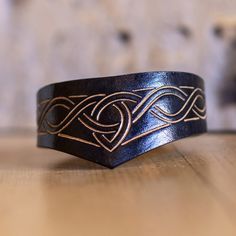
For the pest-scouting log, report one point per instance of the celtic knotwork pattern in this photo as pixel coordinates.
(123, 110)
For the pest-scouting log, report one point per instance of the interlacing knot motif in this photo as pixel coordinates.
(109, 118)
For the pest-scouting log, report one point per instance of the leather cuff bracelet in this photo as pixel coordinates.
(114, 119)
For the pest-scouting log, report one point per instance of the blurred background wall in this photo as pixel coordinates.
(44, 41)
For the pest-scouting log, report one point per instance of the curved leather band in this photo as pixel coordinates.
(114, 119)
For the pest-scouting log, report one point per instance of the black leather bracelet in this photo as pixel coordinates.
(113, 119)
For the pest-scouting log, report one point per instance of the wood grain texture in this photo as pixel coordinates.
(185, 188)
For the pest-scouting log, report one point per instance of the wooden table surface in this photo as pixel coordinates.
(185, 188)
